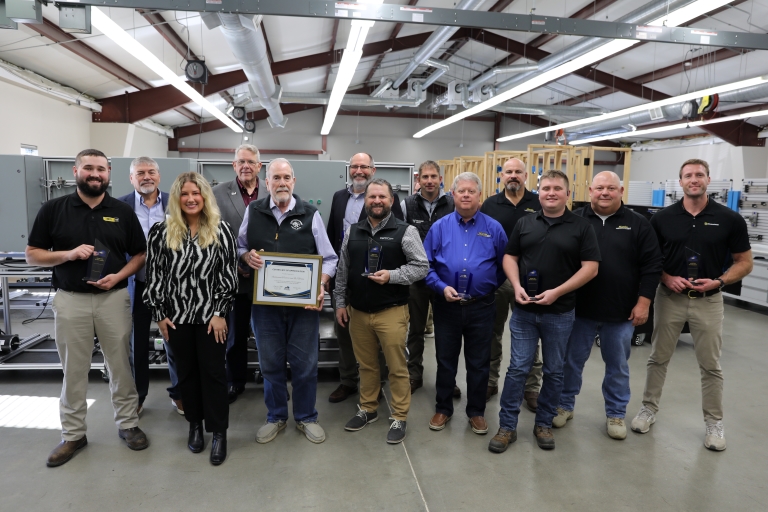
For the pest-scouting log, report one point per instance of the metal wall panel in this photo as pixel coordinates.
(640, 193)
(717, 190)
(21, 195)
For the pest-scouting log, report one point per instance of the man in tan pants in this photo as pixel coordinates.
(377, 290)
(695, 234)
(85, 237)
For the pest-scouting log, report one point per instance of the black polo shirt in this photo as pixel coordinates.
(713, 233)
(555, 251)
(65, 223)
(501, 209)
(631, 266)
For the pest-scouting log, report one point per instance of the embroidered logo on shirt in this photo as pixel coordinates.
(530, 210)
(710, 224)
(417, 221)
(624, 227)
(296, 224)
(111, 219)
(486, 235)
(385, 238)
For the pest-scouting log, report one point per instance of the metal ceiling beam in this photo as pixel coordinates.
(260, 115)
(334, 33)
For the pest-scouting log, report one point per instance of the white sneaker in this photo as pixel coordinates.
(616, 428)
(312, 430)
(562, 418)
(643, 421)
(715, 436)
(269, 431)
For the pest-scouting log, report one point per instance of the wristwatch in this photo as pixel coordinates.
(722, 283)
(217, 313)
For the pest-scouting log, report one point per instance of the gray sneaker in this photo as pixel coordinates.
(396, 432)
(312, 430)
(715, 436)
(269, 431)
(643, 421)
(361, 419)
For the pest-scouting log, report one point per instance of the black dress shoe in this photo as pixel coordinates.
(233, 391)
(219, 448)
(196, 441)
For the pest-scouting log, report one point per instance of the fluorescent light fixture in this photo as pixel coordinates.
(677, 126)
(113, 31)
(353, 52)
(671, 19)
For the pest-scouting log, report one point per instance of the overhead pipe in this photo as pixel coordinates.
(548, 110)
(356, 100)
(499, 70)
(247, 43)
(386, 83)
(442, 68)
(433, 43)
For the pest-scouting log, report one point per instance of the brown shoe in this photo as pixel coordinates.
(178, 405)
(341, 393)
(544, 437)
(64, 451)
(492, 390)
(416, 384)
(438, 421)
(134, 438)
(503, 438)
(531, 400)
(478, 424)
(456, 391)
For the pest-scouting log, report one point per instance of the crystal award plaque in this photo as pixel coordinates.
(532, 284)
(374, 257)
(463, 282)
(97, 262)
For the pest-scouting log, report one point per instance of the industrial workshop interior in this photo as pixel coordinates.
(528, 236)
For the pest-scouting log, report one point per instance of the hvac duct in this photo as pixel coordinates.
(515, 68)
(548, 110)
(350, 100)
(442, 68)
(386, 83)
(433, 43)
(247, 44)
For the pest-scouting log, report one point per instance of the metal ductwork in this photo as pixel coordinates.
(434, 42)
(548, 110)
(350, 100)
(644, 14)
(246, 41)
(499, 70)
(386, 83)
(442, 68)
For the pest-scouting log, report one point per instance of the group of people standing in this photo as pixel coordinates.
(566, 276)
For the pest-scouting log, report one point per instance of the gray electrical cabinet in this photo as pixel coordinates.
(21, 195)
(170, 168)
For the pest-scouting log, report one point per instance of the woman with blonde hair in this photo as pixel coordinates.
(191, 283)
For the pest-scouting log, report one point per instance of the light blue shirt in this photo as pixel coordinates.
(148, 217)
(323, 244)
(355, 205)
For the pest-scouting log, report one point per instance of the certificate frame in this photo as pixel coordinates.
(283, 271)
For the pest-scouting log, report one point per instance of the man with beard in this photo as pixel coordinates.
(347, 208)
(63, 237)
(377, 314)
(696, 234)
(507, 207)
(233, 197)
(149, 205)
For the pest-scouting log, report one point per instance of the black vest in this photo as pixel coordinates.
(293, 235)
(417, 214)
(364, 294)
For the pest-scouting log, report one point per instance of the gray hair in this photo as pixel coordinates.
(144, 160)
(467, 176)
(280, 161)
(250, 147)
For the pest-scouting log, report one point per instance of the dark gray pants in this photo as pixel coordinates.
(418, 307)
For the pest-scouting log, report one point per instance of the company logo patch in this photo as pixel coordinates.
(417, 221)
(111, 219)
(385, 238)
(530, 210)
(710, 224)
(296, 224)
(624, 227)
(483, 234)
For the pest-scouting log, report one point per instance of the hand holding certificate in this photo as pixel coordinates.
(289, 280)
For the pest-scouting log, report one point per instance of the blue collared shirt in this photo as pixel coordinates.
(323, 244)
(148, 217)
(355, 205)
(476, 246)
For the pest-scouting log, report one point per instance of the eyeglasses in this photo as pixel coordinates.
(361, 167)
(251, 163)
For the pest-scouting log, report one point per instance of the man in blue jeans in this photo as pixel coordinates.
(284, 223)
(549, 256)
(613, 303)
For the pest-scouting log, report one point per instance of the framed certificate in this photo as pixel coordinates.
(288, 279)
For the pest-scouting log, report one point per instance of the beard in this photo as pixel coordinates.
(87, 189)
(378, 216)
(359, 184)
(513, 186)
(147, 189)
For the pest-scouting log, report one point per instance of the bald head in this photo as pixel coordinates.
(514, 176)
(605, 193)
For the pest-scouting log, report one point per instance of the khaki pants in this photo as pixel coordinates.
(77, 317)
(705, 318)
(505, 301)
(388, 328)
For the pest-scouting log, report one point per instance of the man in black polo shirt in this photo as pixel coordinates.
(696, 235)
(507, 207)
(549, 256)
(613, 303)
(421, 210)
(63, 237)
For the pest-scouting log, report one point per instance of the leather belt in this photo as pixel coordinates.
(693, 294)
(463, 302)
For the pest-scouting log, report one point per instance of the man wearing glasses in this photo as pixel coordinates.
(233, 198)
(348, 208)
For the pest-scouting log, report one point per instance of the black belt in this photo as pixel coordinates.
(693, 294)
(463, 302)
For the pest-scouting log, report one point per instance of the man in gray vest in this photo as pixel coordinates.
(285, 334)
(233, 197)
(421, 210)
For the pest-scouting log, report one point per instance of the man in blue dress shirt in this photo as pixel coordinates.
(465, 251)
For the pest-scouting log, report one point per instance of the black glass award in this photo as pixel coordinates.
(374, 257)
(532, 284)
(692, 263)
(97, 262)
(463, 281)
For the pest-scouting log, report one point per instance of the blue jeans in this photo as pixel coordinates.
(554, 330)
(475, 323)
(615, 343)
(288, 335)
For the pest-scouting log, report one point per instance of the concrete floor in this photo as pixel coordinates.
(666, 469)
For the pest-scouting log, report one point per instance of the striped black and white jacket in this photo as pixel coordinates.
(188, 285)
